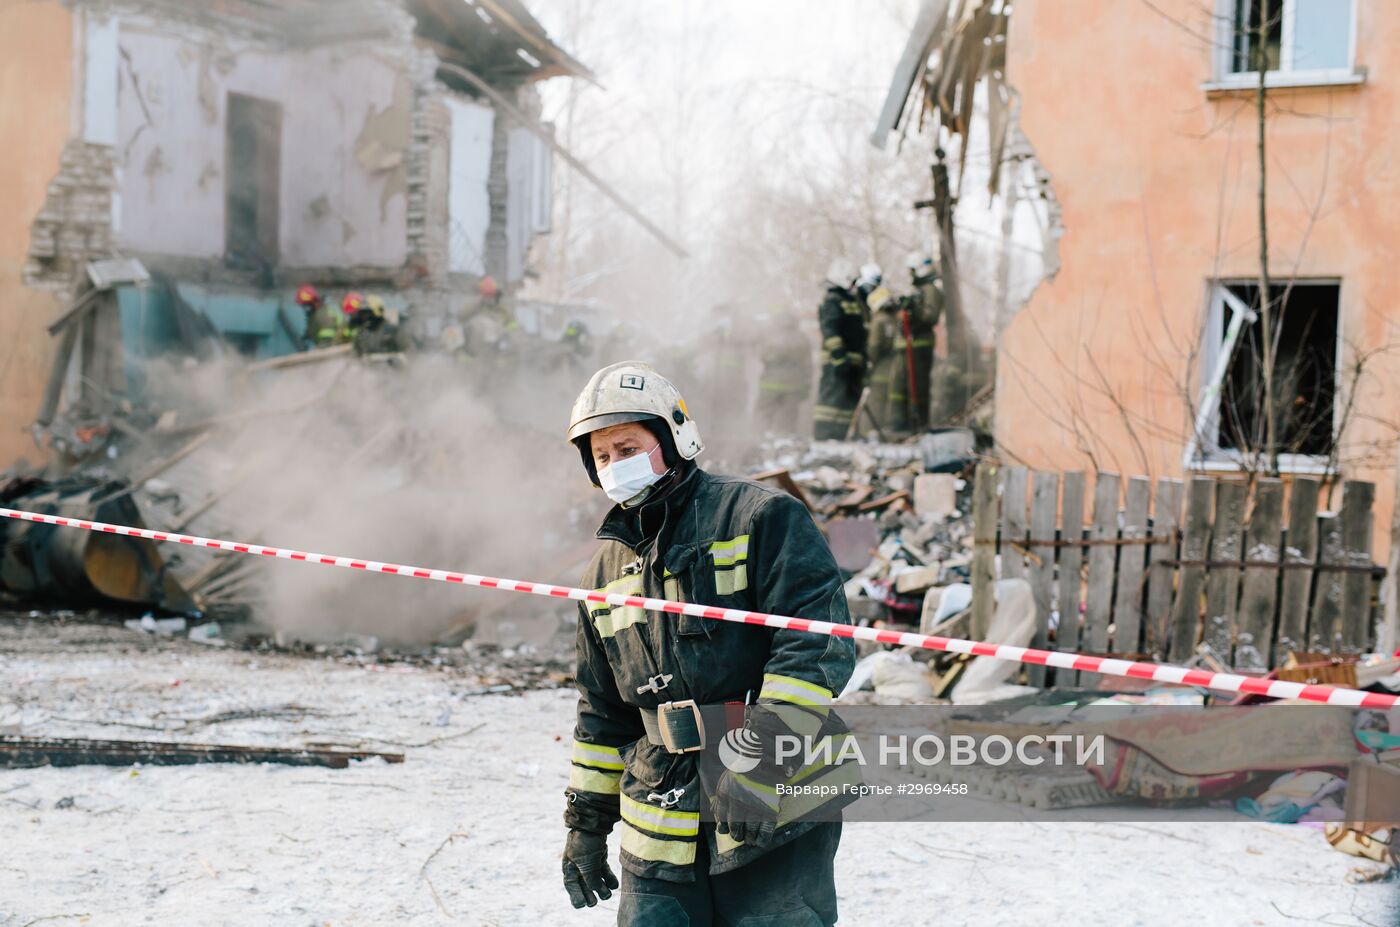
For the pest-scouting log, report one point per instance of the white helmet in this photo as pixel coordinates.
(920, 264)
(631, 392)
(870, 276)
(841, 274)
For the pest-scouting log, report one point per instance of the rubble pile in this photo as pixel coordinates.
(898, 518)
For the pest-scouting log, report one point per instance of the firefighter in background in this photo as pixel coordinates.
(888, 371)
(843, 330)
(870, 277)
(785, 381)
(678, 532)
(322, 327)
(374, 331)
(925, 310)
(491, 331)
(729, 378)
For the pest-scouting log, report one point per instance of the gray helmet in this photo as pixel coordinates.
(631, 392)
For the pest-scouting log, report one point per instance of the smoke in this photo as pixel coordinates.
(434, 463)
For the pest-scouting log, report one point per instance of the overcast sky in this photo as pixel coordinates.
(697, 92)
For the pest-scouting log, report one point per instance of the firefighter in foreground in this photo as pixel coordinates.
(842, 319)
(680, 533)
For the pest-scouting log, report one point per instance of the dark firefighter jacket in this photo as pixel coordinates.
(715, 541)
(842, 319)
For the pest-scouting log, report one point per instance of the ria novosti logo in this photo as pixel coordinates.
(740, 750)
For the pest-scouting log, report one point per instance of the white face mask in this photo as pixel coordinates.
(627, 478)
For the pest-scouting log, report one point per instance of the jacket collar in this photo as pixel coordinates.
(634, 527)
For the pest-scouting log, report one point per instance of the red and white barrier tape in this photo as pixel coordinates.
(1177, 675)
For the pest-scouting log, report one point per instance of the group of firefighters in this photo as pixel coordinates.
(363, 321)
(876, 345)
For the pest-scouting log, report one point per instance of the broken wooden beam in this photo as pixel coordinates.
(31, 752)
(301, 358)
(784, 479)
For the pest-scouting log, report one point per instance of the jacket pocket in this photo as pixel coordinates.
(684, 580)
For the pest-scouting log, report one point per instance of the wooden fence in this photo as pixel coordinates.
(1253, 575)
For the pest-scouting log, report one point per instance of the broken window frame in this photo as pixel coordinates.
(1287, 74)
(1203, 450)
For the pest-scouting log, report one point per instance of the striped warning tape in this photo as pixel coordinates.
(1159, 672)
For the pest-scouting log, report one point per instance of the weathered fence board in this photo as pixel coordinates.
(1325, 621)
(1127, 608)
(1195, 541)
(1013, 522)
(1223, 582)
(1163, 576)
(1355, 629)
(1161, 580)
(1045, 491)
(1098, 602)
(984, 553)
(1070, 591)
(1299, 552)
(1255, 627)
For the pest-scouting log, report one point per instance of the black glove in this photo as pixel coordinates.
(741, 814)
(586, 870)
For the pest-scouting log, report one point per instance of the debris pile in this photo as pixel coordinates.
(898, 518)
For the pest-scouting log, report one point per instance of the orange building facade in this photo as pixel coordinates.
(36, 72)
(1144, 116)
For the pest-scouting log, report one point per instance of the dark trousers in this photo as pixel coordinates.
(836, 401)
(791, 886)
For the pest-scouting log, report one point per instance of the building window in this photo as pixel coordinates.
(1305, 372)
(253, 159)
(1305, 42)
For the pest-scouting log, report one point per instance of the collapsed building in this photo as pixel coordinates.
(186, 168)
(229, 152)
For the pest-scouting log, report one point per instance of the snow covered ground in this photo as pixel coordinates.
(468, 830)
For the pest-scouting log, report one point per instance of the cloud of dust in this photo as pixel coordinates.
(435, 463)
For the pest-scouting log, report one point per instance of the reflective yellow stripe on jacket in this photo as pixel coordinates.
(609, 619)
(731, 565)
(811, 702)
(657, 834)
(596, 768)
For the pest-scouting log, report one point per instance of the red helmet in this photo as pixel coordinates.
(487, 287)
(307, 295)
(354, 302)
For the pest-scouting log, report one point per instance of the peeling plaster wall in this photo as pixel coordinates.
(36, 53)
(346, 113)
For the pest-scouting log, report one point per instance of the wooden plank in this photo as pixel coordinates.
(984, 534)
(1045, 492)
(1161, 580)
(1132, 560)
(1223, 582)
(1070, 589)
(1195, 543)
(1098, 600)
(1324, 622)
(1299, 547)
(1390, 625)
(1254, 631)
(1355, 628)
(1013, 522)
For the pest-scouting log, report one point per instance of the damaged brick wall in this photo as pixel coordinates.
(75, 224)
(498, 194)
(427, 178)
